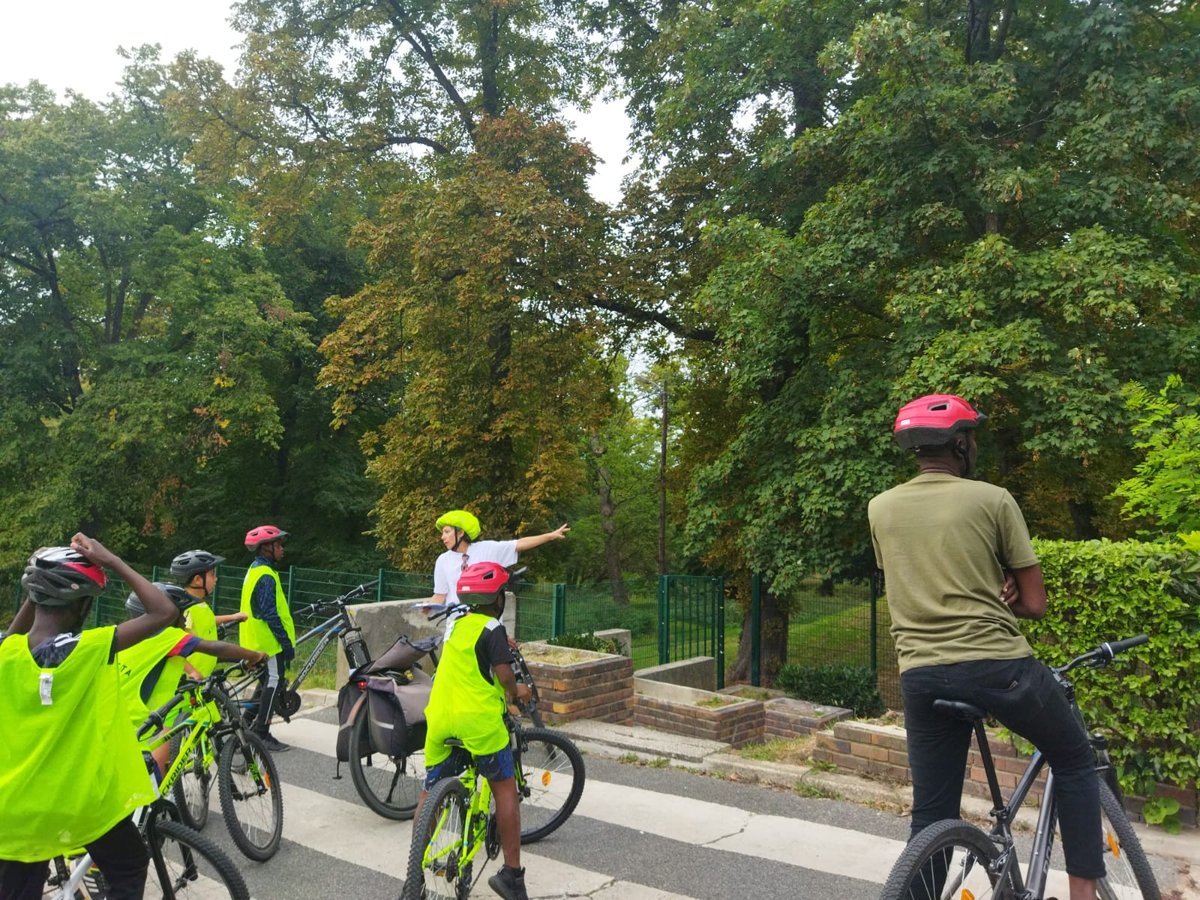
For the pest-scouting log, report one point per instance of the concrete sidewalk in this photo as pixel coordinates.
(649, 745)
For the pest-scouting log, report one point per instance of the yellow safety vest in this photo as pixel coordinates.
(462, 704)
(70, 768)
(202, 622)
(136, 663)
(255, 634)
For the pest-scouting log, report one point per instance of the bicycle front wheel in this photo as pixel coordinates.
(948, 859)
(248, 784)
(389, 785)
(194, 784)
(439, 839)
(1128, 875)
(188, 866)
(550, 782)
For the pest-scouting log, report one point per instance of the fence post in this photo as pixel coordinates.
(291, 580)
(664, 646)
(756, 630)
(720, 654)
(874, 624)
(558, 611)
(379, 591)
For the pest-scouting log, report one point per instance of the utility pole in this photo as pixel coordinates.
(662, 482)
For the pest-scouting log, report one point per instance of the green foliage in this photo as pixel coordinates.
(1164, 812)
(586, 641)
(1163, 488)
(1148, 702)
(847, 687)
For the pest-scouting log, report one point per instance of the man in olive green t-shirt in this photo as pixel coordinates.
(945, 543)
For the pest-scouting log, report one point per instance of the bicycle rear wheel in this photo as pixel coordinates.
(389, 785)
(248, 784)
(435, 868)
(949, 859)
(1128, 875)
(194, 784)
(551, 771)
(188, 866)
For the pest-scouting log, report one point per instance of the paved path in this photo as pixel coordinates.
(641, 832)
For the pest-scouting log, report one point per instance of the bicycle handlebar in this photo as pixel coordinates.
(155, 720)
(1103, 654)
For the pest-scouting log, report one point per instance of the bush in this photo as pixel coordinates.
(1148, 701)
(849, 687)
(586, 641)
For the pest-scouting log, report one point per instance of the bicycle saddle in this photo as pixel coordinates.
(960, 710)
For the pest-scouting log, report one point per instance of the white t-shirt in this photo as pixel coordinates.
(451, 563)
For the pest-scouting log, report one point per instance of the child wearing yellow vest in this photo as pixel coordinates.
(150, 672)
(196, 571)
(71, 772)
(468, 701)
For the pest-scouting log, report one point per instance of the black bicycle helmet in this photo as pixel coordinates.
(194, 562)
(59, 576)
(177, 595)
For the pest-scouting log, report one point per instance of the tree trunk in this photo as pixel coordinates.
(774, 641)
(608, 525)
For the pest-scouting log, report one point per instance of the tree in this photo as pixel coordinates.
(998, 205)
(469, 343)
(146, 330)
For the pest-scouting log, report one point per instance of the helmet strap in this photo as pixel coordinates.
(462, 536)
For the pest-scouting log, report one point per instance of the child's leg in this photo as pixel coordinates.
(23, 880)
(121, 857)
(508, 819)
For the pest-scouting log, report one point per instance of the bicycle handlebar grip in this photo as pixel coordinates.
(156, 718)
(1112, 648)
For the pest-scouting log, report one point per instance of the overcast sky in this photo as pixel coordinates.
(73, 44)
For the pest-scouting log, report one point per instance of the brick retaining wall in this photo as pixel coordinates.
(599, 688)
(737, 724)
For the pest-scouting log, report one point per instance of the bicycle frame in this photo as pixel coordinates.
(475, 823)
(1007, 865)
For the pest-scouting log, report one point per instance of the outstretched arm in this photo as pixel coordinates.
(528, 543)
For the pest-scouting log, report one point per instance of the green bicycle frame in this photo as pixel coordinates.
(474, 829)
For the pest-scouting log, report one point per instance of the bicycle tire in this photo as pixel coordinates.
(1128, 874)
(195, 866)
(192, 788)
(441, 827)
(389, 785)
(251, 802)
(946, 847)
(552, 771)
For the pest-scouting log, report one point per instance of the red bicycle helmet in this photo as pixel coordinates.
(934, 420)
(263, 534)
(58, 576)
(481, 584)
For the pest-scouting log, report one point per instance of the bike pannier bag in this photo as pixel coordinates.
(350, 697)
(397, 724)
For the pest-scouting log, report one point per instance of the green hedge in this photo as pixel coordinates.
(1148, 702)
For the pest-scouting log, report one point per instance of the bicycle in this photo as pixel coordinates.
(458, 819)
(183, 862)
(954, 859)
(211, 729)
(338, 625)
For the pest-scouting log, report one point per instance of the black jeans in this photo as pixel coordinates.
(1023, 695)
(119, 854)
